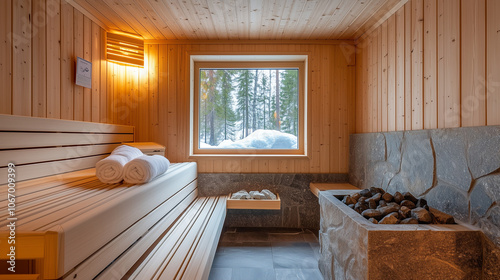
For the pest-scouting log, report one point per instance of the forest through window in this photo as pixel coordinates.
(248, 108)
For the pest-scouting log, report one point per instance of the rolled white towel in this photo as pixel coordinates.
(110, 169)
(145, 168)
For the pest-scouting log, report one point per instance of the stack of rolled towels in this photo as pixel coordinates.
(243, 194)
(131, 165)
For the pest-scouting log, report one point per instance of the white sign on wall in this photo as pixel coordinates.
(83, 72)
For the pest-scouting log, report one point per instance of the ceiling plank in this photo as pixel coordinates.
(239, 19)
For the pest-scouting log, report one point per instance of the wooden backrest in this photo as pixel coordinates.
(41, 147)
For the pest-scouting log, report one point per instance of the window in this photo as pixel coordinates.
(245, 105)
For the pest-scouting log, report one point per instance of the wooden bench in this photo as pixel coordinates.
(71, 226)
(318, 187)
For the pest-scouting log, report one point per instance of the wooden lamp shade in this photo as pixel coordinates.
(126, 49)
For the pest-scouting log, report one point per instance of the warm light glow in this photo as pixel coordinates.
(125, 49)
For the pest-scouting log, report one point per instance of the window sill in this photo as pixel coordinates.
(246, 156)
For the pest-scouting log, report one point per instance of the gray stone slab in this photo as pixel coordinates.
(483, 150)
(450, 147)
(449, 200)
(417, 164)
(486, 191)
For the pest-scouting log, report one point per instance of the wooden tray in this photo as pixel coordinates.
(260, 204)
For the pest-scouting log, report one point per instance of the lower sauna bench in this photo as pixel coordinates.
(84, 229)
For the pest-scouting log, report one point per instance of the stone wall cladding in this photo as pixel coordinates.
(456, 170)
(299, 207)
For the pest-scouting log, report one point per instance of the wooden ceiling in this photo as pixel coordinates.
(239, 19)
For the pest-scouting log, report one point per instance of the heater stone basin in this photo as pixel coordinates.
(355, 248)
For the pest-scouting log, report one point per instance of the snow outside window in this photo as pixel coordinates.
(249, 107)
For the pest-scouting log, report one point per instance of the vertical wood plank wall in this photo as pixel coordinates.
(155, 99)
(433, 64)
(40, 42)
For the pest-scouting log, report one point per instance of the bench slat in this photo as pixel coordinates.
(199, 268)
(22, 123)
(26, 156)
(169, 243)
(32, 171)
(18, 140)
(187, 250)
(174, 207)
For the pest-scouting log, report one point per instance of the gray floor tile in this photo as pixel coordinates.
(220, 273)
(253, 274)
(298, 274)
(315, 247)
(293, 255)
(250, 255)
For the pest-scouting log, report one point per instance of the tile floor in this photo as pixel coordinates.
(266, 254)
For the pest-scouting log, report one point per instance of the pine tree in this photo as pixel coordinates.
(254, 101)
(289, 101)
(225, 110)
(264, 90)
(243, 97)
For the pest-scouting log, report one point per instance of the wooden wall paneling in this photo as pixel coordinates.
(400, 69)
(391, 73)
(96, 72)
(345, 61)
(142, 130)
(133, 95)
(39, 75)
(67, 61)
(6, 57)
(493, 62)
(369, 96)
(316, 84)
(172, 102)
(184, 86)
(451, 78)
(164, 90)
(385, 78)
(380, 84)
(21, 57)
(328, 110)
(430, 64)
(338, 120)
(121, 109)
(124, 102)
(112, 95)
(473, 62)
(372, 82)
(78, 99)
(110, 92)
(87, 55)
(53, 59)
(337, 62)
(408, 66)
(153, 94)
(103, 94)
(417, 60)
(360, 90)
(441, 68)
(351, 99)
